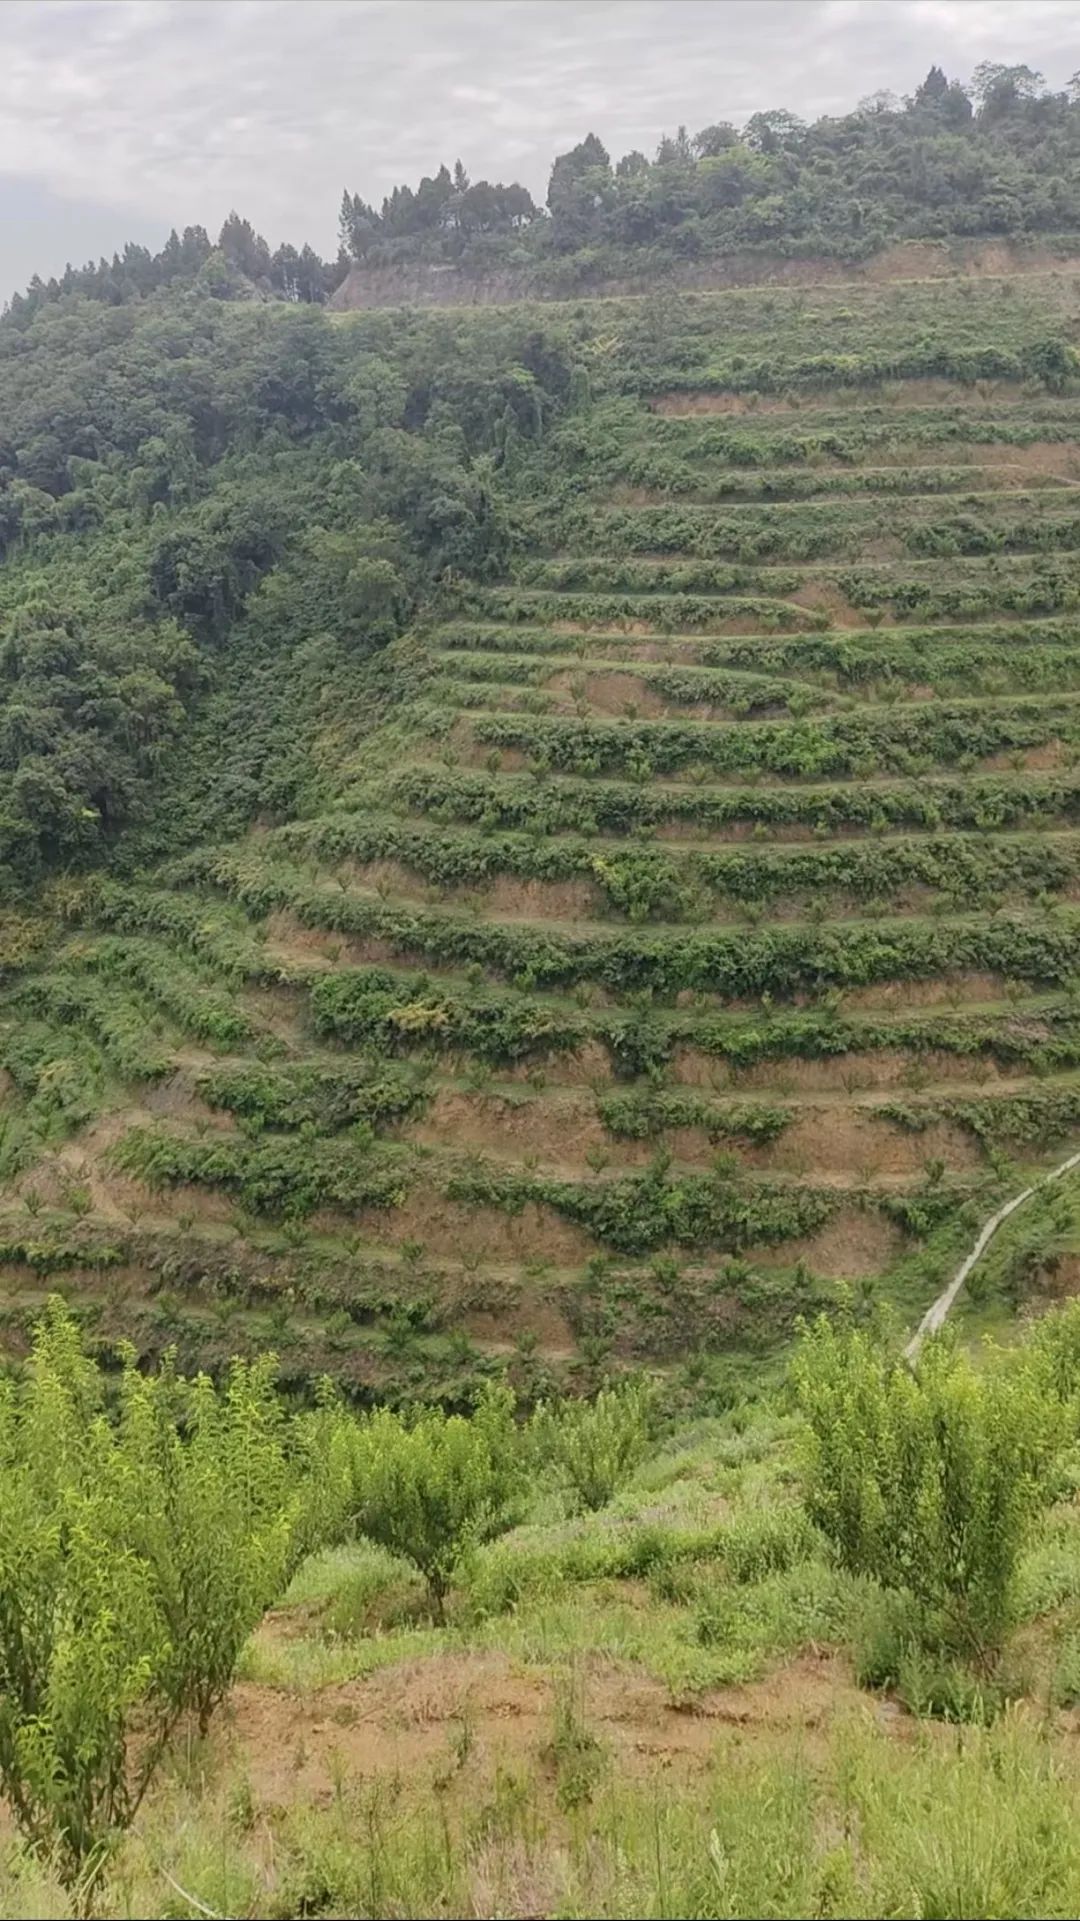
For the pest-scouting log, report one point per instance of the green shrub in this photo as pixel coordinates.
(596, 1445)
(136, 1555)
(927, 1480)
(433, 1488)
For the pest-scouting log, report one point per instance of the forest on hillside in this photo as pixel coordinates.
(998, 157)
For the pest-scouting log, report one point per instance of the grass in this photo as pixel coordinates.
(647, 1711)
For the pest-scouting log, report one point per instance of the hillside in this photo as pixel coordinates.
(535, 839)
(539, 894)
(709, 1674)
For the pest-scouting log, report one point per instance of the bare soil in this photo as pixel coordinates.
(905, 393)
(405, 1722)
(453, 1230)
(850, 1245)
(825, 597)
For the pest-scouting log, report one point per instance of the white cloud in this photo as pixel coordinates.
(171, 111)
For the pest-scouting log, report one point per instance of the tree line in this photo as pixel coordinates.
(1000, 156)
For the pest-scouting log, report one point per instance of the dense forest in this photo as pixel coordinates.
(998, 157)
(171, 464)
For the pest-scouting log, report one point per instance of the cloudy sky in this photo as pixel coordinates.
(122, 118)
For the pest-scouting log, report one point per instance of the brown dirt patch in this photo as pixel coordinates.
(896, 393)
(823, 596)
(1033, 759)
(499, 1329)
(612, 693)
(402, 1722)
(1059, 458)
(860, 1073)
(82, 1163)
(453, 1230)
(611, 628)
(834, 1142)
(578, 1066)
(806, 1695)
(996, 463)
(279, 1010)
(911, 260)
(847, 1143)
(176, 1100)
(290, 942)
(561, 1128)
(901, 996)
(390, 877)
(545, 900)
(849, 1245)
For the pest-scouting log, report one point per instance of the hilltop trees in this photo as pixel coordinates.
(445, 208)
(995, 157)
(999, 156)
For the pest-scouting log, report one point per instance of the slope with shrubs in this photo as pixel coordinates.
(533, 840)
(261, 1661)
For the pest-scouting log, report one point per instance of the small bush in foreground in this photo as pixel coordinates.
(435, 1487)
(596, 1445)
(928, 1479)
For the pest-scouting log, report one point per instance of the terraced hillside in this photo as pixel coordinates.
(692, 938)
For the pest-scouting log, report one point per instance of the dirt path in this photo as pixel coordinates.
(937, 1314)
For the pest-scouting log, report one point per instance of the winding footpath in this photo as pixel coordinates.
(937, 1314)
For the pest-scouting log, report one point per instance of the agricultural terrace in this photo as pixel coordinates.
(692, 942)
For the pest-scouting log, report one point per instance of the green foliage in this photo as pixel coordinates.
(781, 961)
(224, 1515)
(303, 1096)
(834, 745)
(639, 1213)
(275, 1175)
(928, 1480)
(434, 1488)
(135, 1557)
(612, 806)
(653, 884)
(81, 1639)
(595, 1446)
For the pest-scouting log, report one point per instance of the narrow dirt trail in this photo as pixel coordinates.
(937, 1313)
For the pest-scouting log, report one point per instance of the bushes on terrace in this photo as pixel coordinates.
(668, 613)
(305, 1095)
(643, 1116)
(1051, 362)
(640, 1213)
(1009, 524)
(122, 1031)
(837, 744)
(782, 961)
(1017, 1119)
(279, 1176)
(664, 885)
(842, 437)
(612, 807)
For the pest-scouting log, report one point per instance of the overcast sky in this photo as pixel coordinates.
(122, 118)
